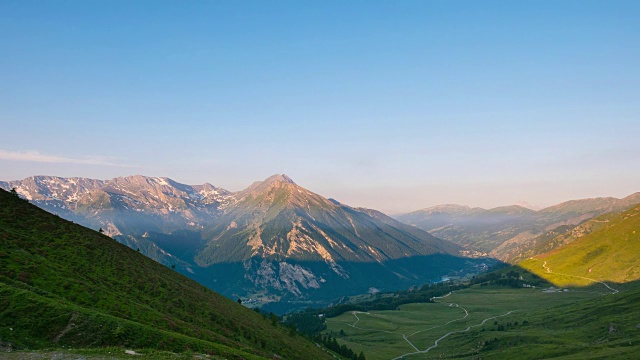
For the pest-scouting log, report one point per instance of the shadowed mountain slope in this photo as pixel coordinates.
(297, 245)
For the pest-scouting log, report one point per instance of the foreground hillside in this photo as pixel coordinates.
(62, 285)
(610, 252)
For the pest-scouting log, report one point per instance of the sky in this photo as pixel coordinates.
(392, 105)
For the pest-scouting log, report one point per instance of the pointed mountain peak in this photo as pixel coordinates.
(260, 186)
(278, 178)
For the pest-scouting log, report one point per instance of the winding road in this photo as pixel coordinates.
(466, 314)
(451, 333)
(436, 343)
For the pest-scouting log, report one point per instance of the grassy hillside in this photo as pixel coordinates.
(514, 252)
(610, 252)
(62, 285)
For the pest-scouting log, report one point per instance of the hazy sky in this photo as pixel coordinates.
(394, 105)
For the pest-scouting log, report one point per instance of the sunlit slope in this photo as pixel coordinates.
(64, 285)
(609, 253)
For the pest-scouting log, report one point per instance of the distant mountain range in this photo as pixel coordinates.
(499, 231)
(272, 242)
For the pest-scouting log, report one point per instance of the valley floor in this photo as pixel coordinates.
(474, 322)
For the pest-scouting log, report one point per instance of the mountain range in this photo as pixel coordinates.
(279, 245)
(498, 232)
(274, 242)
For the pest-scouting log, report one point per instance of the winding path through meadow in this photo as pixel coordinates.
(548, 270)
(435, 344)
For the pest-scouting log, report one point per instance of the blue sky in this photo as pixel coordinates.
(394, 105)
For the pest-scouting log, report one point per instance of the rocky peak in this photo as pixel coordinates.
(279, 180)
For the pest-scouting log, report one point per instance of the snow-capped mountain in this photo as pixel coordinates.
(156, 204)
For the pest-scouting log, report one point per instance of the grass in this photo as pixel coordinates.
(62, 285)
(380, 333)
(588, 320)
(609, 253)
(103, 354)
(559, 329)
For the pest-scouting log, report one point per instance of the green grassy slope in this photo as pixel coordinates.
(516, 252)
(611, 252)
(62, 285)
(558, 326)
(519, 323)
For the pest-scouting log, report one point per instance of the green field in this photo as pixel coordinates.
(391, 334)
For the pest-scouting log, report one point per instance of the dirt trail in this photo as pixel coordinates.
(406, 337)
(436, 343)
(548, 270)
(70, 325)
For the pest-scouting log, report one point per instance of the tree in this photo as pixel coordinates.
(14, 192)
(173, 266)
(101, 231)
(239, 301)
(274, 318)
(361, 356)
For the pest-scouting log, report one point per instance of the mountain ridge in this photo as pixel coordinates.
(496, 231)
(274, 240)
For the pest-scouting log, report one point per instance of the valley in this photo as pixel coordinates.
(280, 248)
(319, 180)
(578, 300)
(496, 322)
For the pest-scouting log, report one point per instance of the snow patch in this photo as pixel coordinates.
(161, 181)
